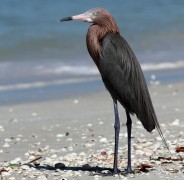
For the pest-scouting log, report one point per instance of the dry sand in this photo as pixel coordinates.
(79, 133)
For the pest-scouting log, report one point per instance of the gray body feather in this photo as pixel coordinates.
(124, 79)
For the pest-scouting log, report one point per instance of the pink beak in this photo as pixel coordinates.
(82, 17)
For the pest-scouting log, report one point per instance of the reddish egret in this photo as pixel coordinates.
(121, 74)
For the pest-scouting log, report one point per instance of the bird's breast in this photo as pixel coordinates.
(94, 47)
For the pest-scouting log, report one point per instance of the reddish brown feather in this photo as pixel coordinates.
(103, 24)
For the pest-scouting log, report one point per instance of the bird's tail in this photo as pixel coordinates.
(150, 120)
(148, 116)
(157, 125)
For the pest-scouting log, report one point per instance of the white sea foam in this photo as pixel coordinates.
(163, 66)
(74, 70)
(82, 70)
(21, 86)
(92, 70)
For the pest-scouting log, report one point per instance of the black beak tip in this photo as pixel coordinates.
(66, 19)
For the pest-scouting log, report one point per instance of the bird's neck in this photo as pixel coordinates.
(94, 37)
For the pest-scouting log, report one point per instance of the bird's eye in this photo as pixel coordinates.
(95, 13)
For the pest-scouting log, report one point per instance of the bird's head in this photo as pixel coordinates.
(101, 18)
(95, 16)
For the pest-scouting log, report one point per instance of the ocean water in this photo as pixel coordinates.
(42, 59)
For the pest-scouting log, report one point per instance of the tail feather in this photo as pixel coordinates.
(149, 118)
(161, 135)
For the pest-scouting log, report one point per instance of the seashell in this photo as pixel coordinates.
(31, 157)
(140, 152)
(141, 140)
(38, 154)
(82, 154)
(103, 140)
(18, 139)
(25, 167)
(16, 161)
(181, 135)
(148, 153)
(5, 173)
(175, 122)
(70, 148)
(88, 145)
(53, 156)
(11, 178)
(138, 147)
(42, 177)
(7, 140)
(158, 138)
(147, 144)
(60, 135)
(63, 150)
(6, 145)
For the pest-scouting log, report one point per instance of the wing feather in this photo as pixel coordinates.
(124, 79)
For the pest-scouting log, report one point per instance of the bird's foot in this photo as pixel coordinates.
(115, 171)
(126, 171)
(129, 170)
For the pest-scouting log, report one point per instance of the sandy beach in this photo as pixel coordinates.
(78, 133)
(57, 119)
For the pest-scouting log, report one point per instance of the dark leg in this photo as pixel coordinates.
(117, 128)
(129, 128)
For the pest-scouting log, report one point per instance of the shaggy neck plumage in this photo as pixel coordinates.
(95, 34)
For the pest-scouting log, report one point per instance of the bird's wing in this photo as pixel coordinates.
(124, 79)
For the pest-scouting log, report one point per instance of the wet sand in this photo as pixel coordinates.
(78, 132)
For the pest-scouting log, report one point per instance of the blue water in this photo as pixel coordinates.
(36, 48)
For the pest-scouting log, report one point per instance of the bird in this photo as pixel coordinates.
(121, 74)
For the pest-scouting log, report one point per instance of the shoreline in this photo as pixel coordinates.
(76, 130)
(45, 88)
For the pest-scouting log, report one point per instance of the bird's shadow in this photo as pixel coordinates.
(94, 170)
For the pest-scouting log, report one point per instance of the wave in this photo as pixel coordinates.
(80, 74)
(163, 66)
(22, 86)
(74, 70)
(92, 70)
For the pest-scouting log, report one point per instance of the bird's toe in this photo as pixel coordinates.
(129, 170)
